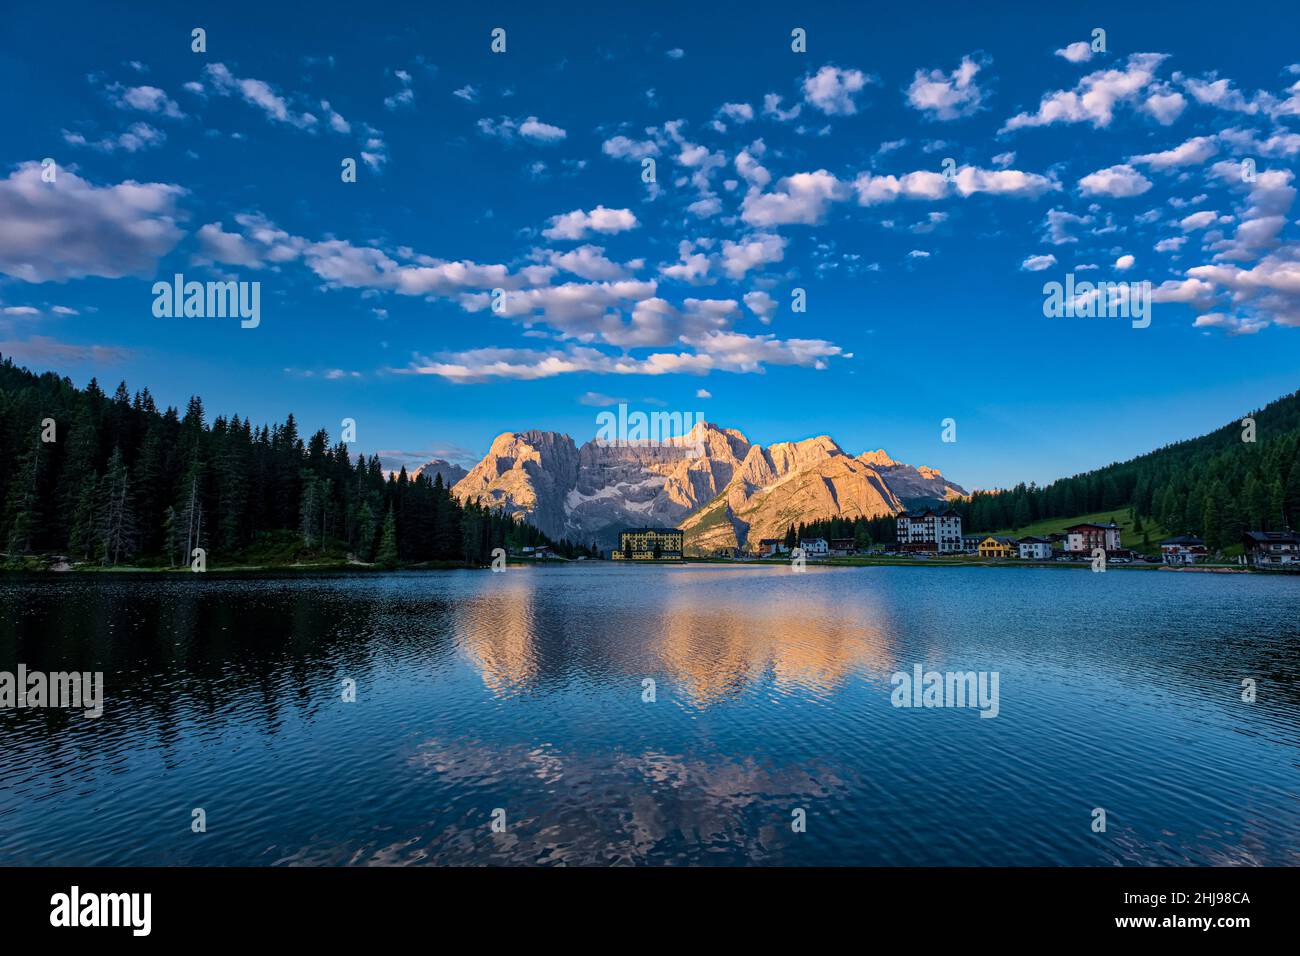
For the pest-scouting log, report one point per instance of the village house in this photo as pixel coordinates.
(1273, 549)
(844, 545)
(1185, 549)
(768, 547)
(970, 543)
(649, 544)
(929, 530)
(1035, 549)
(1083, 538)
(814, 547)
(996, 546)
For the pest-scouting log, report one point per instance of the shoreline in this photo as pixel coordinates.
(342, 569)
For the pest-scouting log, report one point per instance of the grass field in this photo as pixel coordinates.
(1128, 537)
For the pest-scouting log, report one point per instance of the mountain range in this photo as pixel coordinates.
(715, 484)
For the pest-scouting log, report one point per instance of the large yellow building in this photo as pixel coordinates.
(649, 544)
(995, 547)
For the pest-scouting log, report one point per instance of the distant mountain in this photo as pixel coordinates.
(450, 473)
(720, 488)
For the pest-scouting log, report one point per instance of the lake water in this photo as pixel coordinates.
(523, 692)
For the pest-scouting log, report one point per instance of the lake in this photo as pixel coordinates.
(771, 738)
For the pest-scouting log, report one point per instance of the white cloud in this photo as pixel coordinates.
(587, 262)
(736, 112)
(947, 96)
(873, 189)
(577, 224)
(1172, 244)
(1193, 152)
(1038, 263)
(1094, 97)
(256, 93)
(1058, 223)
(530, 128)
(534, 129)
(762, 305)
(468, 93)
(146, 99)
(802, 198)
(139, 136)
(620, 147)
(703, 393)
(1120, 182)
(772, 108)
(1165, 106)
(753, 252)
(1079, 52)
(1232, 324)
(72, 228)
(832, 90)
(692, 266)
(1124, 263)
(1197, 220)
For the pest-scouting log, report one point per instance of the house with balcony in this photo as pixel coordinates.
(929, 530)
(649, 544)
(1083, 538)
(814, 547)
(1273, 549)
(1035, 549)
(1184, 549)
(997, 546)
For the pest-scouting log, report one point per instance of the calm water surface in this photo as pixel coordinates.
(523, 691)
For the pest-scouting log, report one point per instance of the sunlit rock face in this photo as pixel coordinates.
(723, 490)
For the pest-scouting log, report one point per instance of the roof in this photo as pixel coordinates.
(930, 512)
(1000, 539)
(1184, 539)
(1032, 540)
(1087, 524)
(1271, 537)
(811, 540)
(651, 531)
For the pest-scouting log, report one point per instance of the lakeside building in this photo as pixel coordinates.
(1273, 549)
(1035, 549)
(970, 543)
(929, 530)
(844, 545)
(649, 544)
(1184, 549)
(814, 547)
(767, 547)
(1083, 538)
(997, 546)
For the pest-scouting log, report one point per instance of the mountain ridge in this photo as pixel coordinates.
(715, 484)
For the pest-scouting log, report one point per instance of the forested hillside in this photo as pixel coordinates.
(1214, 486)
(123, 482)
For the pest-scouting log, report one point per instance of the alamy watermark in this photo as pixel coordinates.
(1098, 300)
(921, 688)
(208, 300)
(65, 690)
(642, 429)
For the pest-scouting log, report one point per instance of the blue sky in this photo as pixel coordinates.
(775, 170)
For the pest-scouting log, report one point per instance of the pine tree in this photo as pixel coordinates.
(387, 554)
(84, 532)
(117, 528)
(25, 503)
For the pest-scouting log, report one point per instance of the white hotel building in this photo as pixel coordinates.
(930, 530)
